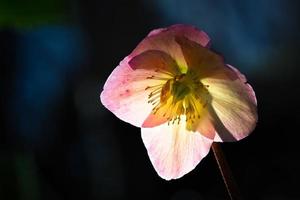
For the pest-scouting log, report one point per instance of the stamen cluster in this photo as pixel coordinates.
(178, 95)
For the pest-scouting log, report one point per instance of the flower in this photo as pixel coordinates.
(182, 95)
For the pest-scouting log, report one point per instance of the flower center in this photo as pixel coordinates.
(182, 94)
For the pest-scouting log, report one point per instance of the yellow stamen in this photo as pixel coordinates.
(179, 95)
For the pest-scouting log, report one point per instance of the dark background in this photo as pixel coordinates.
(58, 142)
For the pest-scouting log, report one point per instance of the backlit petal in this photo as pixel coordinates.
(125, 93)
(200, 60)
(164, 40)
(154, 120)
(190, 32)
(233, 104)
(205, 125)
(173, 150)
(155, 60)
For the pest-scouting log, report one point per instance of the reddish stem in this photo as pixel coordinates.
(228, 179)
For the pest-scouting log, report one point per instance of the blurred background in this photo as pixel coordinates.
(58, 142)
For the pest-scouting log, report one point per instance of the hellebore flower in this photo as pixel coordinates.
(182, 95)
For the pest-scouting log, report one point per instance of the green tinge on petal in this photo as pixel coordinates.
(199, 60)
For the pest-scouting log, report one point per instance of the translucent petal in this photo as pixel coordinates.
(173, 150)
(125, 93)
(234, 111)
(200, 60)
(164, 40)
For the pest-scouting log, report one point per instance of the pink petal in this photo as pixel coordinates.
(154, 120)
(200, 60)
(205, 125)
(173, 150)
(124, 93)
(233, 111)
(154, 60)
(164, 40)
(242, 78)
(187, 31)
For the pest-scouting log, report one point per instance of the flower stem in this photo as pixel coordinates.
(228, 179)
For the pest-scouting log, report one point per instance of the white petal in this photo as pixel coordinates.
(173, 150)
(233, 104)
